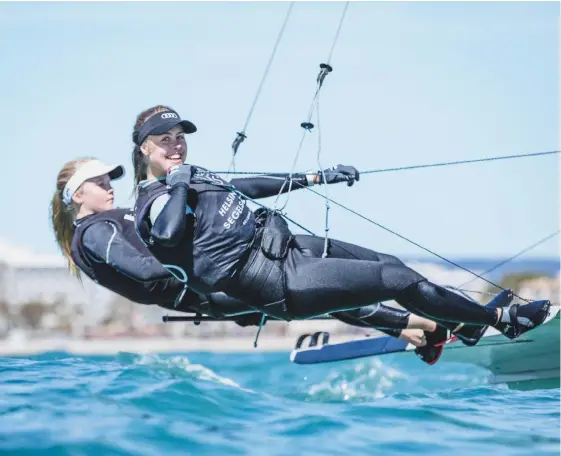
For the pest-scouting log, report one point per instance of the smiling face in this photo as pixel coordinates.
(95, 195)
(164, 151)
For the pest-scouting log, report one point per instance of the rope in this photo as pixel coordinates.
(458, 288)
(453, 263)
(508, 260)
(460, 162)
(338, 32)
(430, 165)
(308, 126)
(325, 69)
(241, 135)
(485, 293)
(327, 207)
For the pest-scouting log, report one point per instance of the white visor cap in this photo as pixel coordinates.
(88, 170)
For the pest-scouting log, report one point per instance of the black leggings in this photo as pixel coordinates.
(376, 315)
(314, 286)
(384, 318)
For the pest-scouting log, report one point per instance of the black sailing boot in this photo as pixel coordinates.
(519, 318)
(470, 334)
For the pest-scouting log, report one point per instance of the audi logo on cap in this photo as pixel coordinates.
(169, 115)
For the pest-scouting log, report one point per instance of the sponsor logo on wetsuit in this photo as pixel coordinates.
(235, 215)
(207, 176)
(233, 206)
(233, 212)
(227, 204)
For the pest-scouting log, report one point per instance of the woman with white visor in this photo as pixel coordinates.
(101, 241)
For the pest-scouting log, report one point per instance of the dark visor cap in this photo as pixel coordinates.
(161, 123)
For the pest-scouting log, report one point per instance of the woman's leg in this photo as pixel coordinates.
(384, 317)
(378, 315)
(314, 246)
(408, 327)
(300, 286)
(317, 286)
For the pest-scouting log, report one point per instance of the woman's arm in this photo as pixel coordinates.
(168, 212)
(105, 244)
(168, 216)
(273, 184)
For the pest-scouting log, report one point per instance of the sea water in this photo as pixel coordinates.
(261, 404)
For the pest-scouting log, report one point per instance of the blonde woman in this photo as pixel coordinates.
(101, 241)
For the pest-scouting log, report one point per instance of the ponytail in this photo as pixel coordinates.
(62, 220)
(139, 166)
(62, 216)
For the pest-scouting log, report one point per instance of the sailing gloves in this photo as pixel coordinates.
(179, 174)
(339, 173)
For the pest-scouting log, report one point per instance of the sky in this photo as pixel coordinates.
(413, 83)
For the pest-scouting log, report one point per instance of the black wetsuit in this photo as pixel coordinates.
(107, 248)
(222, 246)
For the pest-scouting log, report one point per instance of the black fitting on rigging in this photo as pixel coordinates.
(307, 126)
(239, 139)
(325, 70)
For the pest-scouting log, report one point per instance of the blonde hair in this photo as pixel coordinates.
(62, 216)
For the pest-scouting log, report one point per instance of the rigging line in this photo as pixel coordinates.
(430, 165)
(459, 287)
(269, 63)
(289, 180)
(338, 32)
(485, 293)
(307, 125)
(508, 260)
(463, 293)
(408, 240)
(242, 135)
(325, 188)
(460, 162)
(325, 70)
